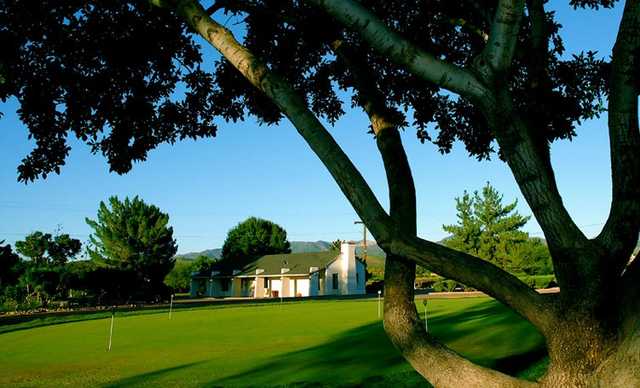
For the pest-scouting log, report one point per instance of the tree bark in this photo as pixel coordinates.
(504, 34)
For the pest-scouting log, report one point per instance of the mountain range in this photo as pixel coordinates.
(296, 247)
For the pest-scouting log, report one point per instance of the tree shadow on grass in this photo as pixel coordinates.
(364, 355)
(350, 357)
(147, 377)
(494, 336)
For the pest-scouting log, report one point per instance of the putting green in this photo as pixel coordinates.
(327, 342)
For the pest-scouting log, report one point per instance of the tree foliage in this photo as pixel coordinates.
(9, 263)
(88, 69)
(252, 238)
(179, 279)
(135, 237)
(44, 274)
(45, 249)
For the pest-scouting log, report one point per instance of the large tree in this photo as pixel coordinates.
(252, 238)
(489, 73)
(134, 237)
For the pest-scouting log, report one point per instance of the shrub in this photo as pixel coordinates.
(444, 285)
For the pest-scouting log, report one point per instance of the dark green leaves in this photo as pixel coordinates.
(253, 238)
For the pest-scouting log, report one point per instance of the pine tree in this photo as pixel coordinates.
(486, 228)
(132, 236)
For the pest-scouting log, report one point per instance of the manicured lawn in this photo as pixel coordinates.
(326, 342)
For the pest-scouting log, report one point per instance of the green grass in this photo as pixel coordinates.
(322, 342)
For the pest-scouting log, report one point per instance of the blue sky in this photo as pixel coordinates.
(209, 186)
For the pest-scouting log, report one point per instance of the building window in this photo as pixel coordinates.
(225, 285)
(334, 281)
(357, 279)
(266, 283)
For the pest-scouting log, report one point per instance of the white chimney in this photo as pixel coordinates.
(348, 266)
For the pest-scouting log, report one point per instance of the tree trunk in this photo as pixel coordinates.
(582, 357)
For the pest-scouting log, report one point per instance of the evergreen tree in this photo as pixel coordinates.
(486, 228)
(253, 238)
(134, 237)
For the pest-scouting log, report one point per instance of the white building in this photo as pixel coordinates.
(287, 275)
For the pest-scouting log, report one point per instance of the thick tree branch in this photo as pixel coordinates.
(401, 320)
(620, 233)
(576, 259)
(481, 275)
(438, 364)
(389, 43)
(504, 35)
(538, 77)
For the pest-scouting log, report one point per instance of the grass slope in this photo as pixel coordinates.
(324, 342)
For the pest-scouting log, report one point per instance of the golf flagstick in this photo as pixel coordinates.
(113, 315)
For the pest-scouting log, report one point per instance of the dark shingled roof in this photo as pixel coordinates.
(298, 263)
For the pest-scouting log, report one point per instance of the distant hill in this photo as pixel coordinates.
(372, 249)
(309, 246)
(296, 247)
(210, 253)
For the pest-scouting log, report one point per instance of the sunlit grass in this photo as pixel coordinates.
(327, 342)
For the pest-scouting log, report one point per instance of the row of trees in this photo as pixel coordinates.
(131, 251)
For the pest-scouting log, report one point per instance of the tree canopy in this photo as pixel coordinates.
(135, 237)
(252, 238)
(45, 249)
(88, 69)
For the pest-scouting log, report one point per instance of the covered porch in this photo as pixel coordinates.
(286, 286)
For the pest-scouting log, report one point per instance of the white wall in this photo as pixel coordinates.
(333, 268)
(300, 286)
(276, 285)
(346, 266)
